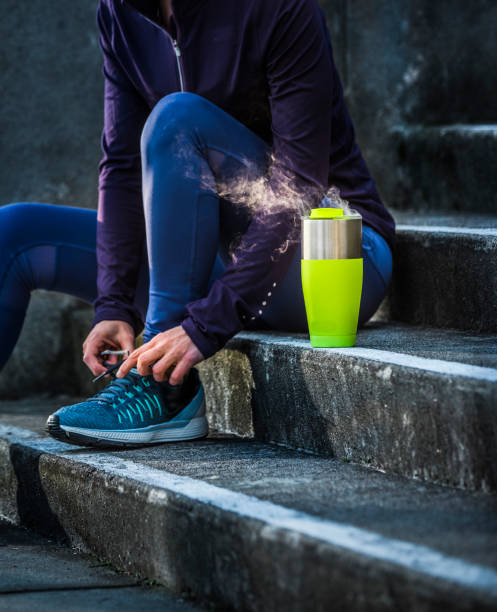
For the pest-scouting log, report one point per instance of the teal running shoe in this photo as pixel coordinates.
(133, 411)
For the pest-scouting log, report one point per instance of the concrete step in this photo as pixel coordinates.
(46, 576)
(417, 402)
(249, 526)
(445, 272)
(445, 167)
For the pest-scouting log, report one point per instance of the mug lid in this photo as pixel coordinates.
(326, 213)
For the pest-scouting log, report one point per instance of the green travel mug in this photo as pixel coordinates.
(332, 275)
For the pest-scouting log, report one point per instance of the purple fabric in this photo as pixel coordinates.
(270, 66)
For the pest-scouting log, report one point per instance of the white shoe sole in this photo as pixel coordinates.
(167, 432)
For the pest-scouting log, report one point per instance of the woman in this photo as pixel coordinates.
(223, 122)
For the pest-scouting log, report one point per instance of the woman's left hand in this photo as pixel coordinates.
(173, 347)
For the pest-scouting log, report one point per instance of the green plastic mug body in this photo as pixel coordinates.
(332, 293)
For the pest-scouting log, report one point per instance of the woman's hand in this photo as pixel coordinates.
(114, 335)
(170, 348)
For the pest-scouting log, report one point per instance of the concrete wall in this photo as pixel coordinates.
(414, 65)
(404, 64)
(51, 105)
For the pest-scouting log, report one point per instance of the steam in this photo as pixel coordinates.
(275, 198)
(335, 200)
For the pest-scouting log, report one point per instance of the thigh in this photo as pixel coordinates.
(377, 258)
(52, 247)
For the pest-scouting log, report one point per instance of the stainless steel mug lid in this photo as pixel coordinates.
(329, 233)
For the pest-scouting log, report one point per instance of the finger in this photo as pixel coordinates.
(136, 358)
(95, 366)
(147, 359)
(180, 371)
(127, 342)
(135, 353)
(160, 369)
(92, 358)
(133, 358)
(129, 363)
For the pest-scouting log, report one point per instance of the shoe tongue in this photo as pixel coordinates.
(109, 393)
(133, 376)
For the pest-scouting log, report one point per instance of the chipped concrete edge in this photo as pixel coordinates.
(272, 519)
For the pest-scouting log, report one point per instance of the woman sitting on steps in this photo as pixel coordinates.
(224, 121)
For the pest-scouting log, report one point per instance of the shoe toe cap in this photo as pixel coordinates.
(89, 415)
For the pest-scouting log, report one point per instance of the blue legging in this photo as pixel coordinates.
(189, 146)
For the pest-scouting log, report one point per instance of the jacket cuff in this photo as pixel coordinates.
(206, 346)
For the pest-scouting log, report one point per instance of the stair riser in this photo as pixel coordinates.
(217, 555)
(420, 424)
(444, 280)
(448, 168)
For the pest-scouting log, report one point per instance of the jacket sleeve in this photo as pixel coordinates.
(120, 222)
(299, 72)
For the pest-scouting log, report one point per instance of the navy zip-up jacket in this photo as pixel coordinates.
(269, 64)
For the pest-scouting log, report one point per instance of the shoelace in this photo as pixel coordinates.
(119, 387)
(114, 390)
(110, 370)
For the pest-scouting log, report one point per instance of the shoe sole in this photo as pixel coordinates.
(195, 429)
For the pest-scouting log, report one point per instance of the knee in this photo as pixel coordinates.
(14, 219)
(172, 118)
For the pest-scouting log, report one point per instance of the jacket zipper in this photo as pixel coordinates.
(177, 51)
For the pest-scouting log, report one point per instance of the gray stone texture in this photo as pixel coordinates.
(52, 91)
(413, 63)
(444, 280)
(243, 563)
(122, 599)
(39, 574)
(440, 427)
(48, 355)
(445, 168)
(228, 385)
(421, 64)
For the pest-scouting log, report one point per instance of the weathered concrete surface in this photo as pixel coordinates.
(431, 65)
(444, 277)
(38, 574)
(52, 91)
(35, 564)
(419, 63)
(440, 219)
(384, 403)
(228, 385)
(119, 599)
(32, 412)
(417, 58)
(48, 355)
(445, 168)
(237, 527)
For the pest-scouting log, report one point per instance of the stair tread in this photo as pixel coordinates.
(338, 495)
(441, 220)
(390, 339)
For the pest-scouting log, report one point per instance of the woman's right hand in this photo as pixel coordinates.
(114, 335)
